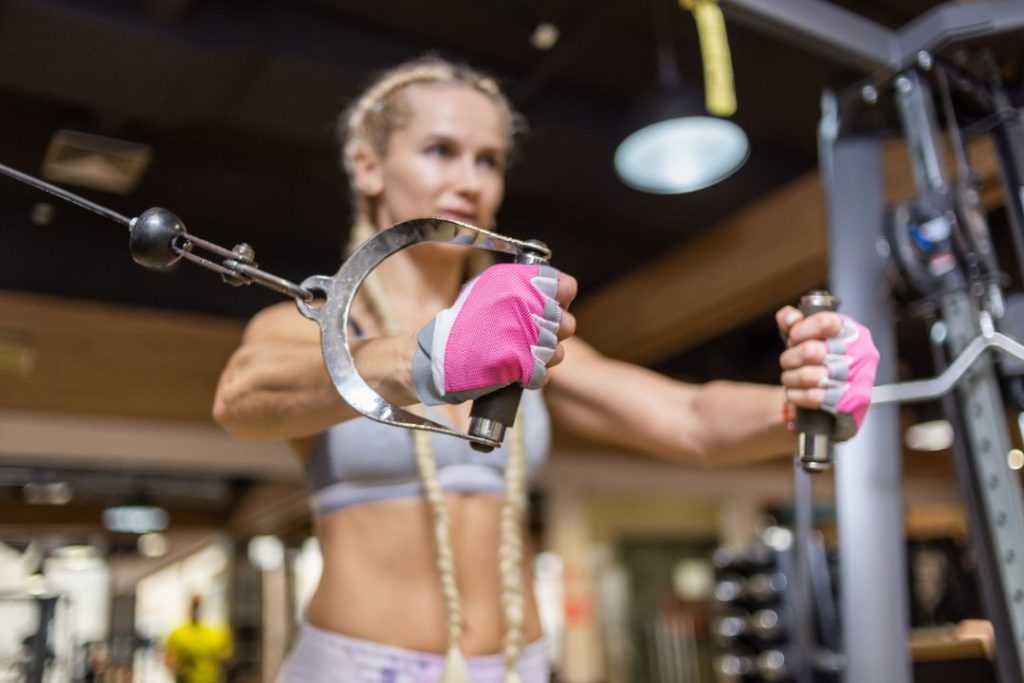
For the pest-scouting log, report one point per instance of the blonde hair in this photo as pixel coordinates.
(371, 120)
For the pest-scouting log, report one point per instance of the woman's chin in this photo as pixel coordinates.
(440, 250)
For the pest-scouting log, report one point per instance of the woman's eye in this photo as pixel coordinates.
(490, 161)
(440, 149)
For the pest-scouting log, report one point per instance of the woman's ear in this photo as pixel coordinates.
(367, 174)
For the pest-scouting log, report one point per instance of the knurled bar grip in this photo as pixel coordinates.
(815, 427)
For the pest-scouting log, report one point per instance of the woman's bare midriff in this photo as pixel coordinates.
(380, 580)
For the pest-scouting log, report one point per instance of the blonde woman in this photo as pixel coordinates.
(425, 575)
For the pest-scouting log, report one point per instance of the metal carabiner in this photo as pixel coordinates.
(333, 302)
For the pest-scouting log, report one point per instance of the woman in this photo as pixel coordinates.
(412, 583)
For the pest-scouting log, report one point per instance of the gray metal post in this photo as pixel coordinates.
(874, 604)
(803, 502)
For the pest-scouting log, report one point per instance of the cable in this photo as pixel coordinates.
(67, 196)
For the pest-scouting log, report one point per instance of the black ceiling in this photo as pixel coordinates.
(238, 99)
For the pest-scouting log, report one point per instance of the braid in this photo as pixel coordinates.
(455, 670)
(510, 552)
(510, 555)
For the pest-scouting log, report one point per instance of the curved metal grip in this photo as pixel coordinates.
(936, 387)
(332, 305)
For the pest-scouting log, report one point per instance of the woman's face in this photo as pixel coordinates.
(448, 159)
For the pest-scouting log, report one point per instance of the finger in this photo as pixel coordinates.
(785, 318)
(567, 288)
(557, 357)
(566, 326)
(806, 398)
(810, 352)
(805, 377)
(818, 326)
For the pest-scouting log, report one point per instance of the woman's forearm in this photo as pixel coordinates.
(281, 390)
(621, 404)
(739, 422)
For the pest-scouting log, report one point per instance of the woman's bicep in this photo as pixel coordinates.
(281, 323)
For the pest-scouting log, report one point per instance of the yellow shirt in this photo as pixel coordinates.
(198, 650)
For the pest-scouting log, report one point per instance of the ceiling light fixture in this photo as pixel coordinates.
(1015, 459)
(545, 36)
(47, 492)
(934, 435)
(679, 147)
(95, 161)
(135, 515)
(153, 544)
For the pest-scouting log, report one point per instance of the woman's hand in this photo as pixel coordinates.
(506, 326)
(829, 363)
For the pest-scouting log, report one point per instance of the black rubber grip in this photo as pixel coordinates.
(810, 421)
(499, 405)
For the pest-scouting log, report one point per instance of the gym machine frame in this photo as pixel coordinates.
(873, 589)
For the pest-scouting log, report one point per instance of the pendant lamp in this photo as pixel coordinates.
(677, 146)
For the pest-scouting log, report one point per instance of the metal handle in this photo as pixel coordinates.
(492, 414)
(936, 387)
(815, 427)
(332, 306)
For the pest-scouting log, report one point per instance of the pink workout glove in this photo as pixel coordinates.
(502, 329)
(852, 362)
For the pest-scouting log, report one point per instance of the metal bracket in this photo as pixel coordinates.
(853, 40)
(332, 305)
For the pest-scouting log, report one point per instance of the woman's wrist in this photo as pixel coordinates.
(386, 365)
(788, 415)
(785, 412)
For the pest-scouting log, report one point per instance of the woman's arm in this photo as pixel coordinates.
(275, 386)
(507, 325)
(625, 405)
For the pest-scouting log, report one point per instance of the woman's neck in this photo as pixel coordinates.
(422, 280)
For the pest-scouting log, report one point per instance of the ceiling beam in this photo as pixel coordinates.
(592, 470)
(45, 439)
(44, 518)
(763, 256)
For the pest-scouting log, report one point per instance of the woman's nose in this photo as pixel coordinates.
(468, 179)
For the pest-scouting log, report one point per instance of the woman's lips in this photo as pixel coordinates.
(464, 216)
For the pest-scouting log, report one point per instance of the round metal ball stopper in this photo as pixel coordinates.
(152, 238)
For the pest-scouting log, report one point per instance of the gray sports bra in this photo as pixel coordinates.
(361, 461)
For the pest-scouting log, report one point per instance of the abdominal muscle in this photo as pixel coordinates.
(380, 580)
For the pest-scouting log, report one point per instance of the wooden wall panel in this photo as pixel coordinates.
(79, 356)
